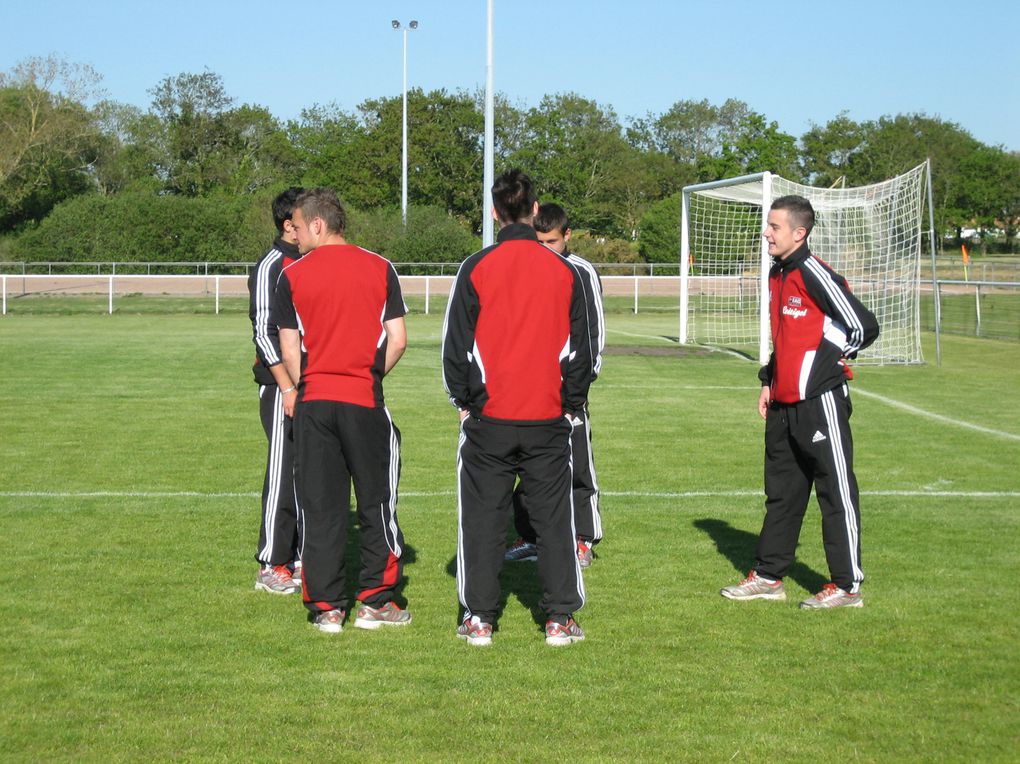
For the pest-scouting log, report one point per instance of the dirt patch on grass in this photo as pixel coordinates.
(674, 351)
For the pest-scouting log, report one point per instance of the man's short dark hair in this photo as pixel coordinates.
(551, 217)
(323, 203)
(801, 213)
(283, 206)
(513, 196)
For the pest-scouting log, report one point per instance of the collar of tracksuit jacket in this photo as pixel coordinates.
(288, 249)
(516, 231)
(799, 255)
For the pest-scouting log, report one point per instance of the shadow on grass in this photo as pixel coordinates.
(738, 547)
(519, 579)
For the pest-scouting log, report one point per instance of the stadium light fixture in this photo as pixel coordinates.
(398, 27)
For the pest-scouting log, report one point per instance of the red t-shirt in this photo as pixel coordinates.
(339, 296)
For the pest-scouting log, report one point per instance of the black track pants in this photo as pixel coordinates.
(337, 443)
(490, 458)
(278, 533)
(809, 443)
(587, 518)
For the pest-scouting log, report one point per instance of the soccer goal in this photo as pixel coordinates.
(872, 235)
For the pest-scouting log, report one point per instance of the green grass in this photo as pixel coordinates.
(130, 457)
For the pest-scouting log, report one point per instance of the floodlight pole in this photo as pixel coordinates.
(488, 172)
(403, 162)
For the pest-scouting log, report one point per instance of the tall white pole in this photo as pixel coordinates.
(766, 263)
(403, 166)
(488, 163)
(405, 28)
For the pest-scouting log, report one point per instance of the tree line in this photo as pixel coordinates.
(84, 178)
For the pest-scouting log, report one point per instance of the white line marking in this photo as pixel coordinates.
(937, 417)
(440, 494)
(610, 386)
(646, 336)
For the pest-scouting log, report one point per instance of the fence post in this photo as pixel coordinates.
(5, 295)
(217, 294)
(977, 309)
(635, 293)
(426, 295)
(111, 296)
(938, 322)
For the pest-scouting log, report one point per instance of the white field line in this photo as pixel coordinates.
(936, 417)
(625, 386)
(645, 336)
(439, 494)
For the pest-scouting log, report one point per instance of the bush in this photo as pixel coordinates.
(659, 234)
(141, 227)
(431, 236)
(600, 249)
(144, 227)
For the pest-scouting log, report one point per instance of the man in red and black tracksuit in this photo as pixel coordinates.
(278, 533)
(342, 305)
(517, 365)
(817, 324)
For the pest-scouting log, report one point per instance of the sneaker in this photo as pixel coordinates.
(296, 570)
(389, 614)
(276, 579)
(585, 555)
(832, 596)
(329, 621)
(754, 587)
(475, 631)
(559, 634)
(521, 551)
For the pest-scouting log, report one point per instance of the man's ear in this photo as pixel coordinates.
(799, 234)
(566, 235)
(495, 215)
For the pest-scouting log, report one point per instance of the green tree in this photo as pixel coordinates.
(690, 131)
(756, 146)
(575, 151)
(360, 154)
(202, 145)
(127, 150)
(48, 137)
(893, 145)
(659, 239)
(826, 151)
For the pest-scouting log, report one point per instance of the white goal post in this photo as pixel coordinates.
(871, 234)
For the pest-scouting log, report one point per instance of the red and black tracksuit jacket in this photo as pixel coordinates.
(261, 290)
(516, 346)
(817, 323)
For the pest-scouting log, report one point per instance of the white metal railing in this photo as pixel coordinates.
(218, 286)
(206, 268)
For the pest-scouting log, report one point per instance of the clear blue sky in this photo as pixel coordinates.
(957, 61)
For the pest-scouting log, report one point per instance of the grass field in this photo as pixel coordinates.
(130, 457)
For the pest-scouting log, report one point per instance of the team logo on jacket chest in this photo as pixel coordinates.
(793, 308)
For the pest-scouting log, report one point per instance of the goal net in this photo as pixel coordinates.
(871, 235)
